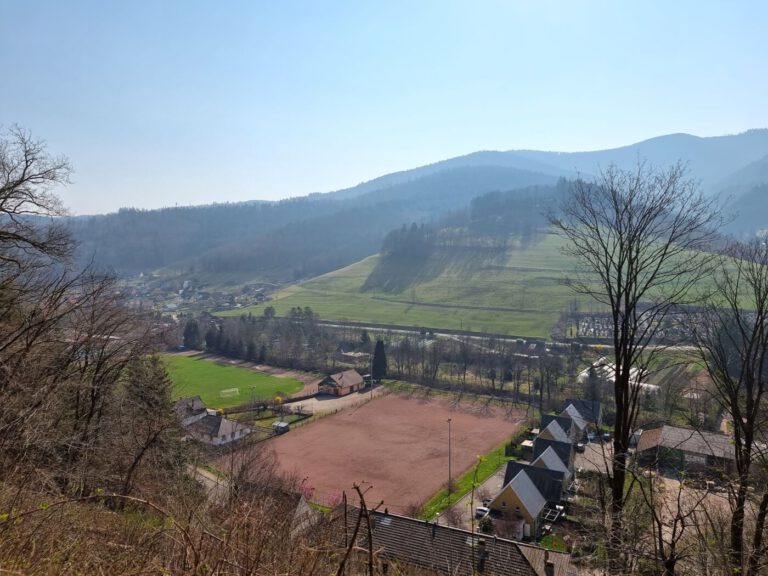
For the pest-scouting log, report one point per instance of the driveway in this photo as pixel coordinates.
(595, 458)
(462, 512)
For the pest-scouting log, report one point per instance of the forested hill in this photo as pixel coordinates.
(283, 240)
(310, 235)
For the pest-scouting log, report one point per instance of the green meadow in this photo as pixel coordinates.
(520, 291)
(221, 386)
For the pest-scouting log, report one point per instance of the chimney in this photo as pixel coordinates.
(483, 556)
(549, 565)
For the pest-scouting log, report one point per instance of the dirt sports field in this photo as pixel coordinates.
(397, 445)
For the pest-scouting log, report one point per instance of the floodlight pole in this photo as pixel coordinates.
(449, 462)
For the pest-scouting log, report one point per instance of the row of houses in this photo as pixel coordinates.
(532, 492)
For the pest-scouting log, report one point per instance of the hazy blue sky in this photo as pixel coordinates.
(159, 103)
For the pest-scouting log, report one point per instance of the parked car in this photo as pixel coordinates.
(580, 447)
(482, 511)
(607, 437)
(590, 437)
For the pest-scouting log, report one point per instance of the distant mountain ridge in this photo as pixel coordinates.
(309, 235)
(710, 159)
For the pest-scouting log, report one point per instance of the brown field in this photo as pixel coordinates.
(397, 446)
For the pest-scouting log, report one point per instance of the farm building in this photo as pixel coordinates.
(435, 549)
(520, 499)
(342, 383)
(685, 449)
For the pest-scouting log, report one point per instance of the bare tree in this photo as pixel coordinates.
(732, 339)
(27, 174)
(638, 237)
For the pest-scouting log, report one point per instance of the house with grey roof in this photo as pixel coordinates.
(565, 422)
(206, 425)
(400, 543)
(589, 411)
(551, 461)
(521, 500)
(190, 410)
(551, 483)
(553, 431)
(564, 450)
(217, 430)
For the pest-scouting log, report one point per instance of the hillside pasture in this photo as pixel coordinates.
(220, 385)
(395, 445)
(519, 291)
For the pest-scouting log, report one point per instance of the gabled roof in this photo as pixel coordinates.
(590, 410)
(450, 551)
(565, 422)
(186, 407)
(549, 482)
(563, 449)
(550, 460)
(347, 379)
(554, 430)
(528, 494)
(686, 440)
(216, 426)
(571, 412)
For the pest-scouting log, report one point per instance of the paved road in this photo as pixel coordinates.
(595, 458)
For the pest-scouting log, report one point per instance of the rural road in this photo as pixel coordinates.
(217, 488)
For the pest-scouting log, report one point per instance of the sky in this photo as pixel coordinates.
(163, 103)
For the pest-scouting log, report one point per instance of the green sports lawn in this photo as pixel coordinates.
(222, 386)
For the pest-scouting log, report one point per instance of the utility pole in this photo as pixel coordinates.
(449, 463)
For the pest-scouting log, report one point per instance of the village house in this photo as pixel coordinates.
(550, 483)
(564, 450)
(587, 415)
(189, 410)
(342, 383)
(551, 461)
(521, 503)
(206, 425)
(553, 431)
(564, 422)
(441, 550)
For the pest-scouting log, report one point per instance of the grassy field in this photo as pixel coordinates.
(520, 292)
(485, 467)
(222, 386)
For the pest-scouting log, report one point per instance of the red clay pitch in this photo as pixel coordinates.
(396, 445)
